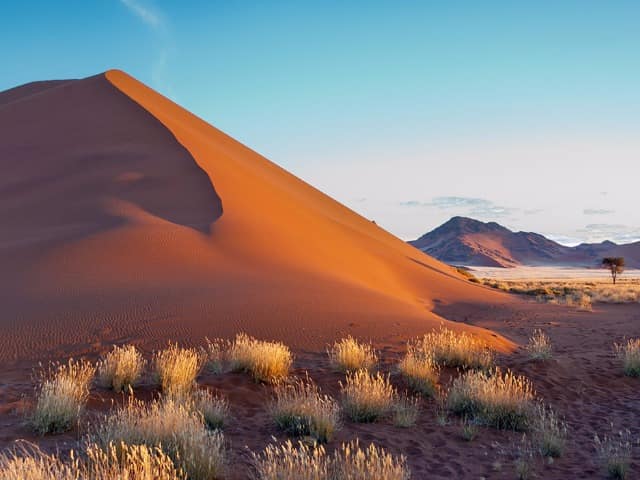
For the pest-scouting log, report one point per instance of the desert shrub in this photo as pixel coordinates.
(420, 370)
(365, 396)
(61, 394)
(300, 409)
(213, 408)
(469, 429)
(614, 453)
(176, 428)
(265, 361)
(454, 349)
(504, 401)
(629, 355)
(405, 411)
(348, 355)
(539, 346)
(121, 368)
(350, 462)
(176, 369)
(549, 432)
(216, 354)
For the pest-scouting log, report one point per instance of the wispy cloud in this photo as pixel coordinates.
(597, 211)
(146, 13)
(478, 207)
(597, 232)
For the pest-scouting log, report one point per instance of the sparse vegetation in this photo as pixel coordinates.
(174, 427)
(613, 452)
(420, 370)
(61, 394)
(539, 346)
(350, 462)
(405, 411)
(504, 401)
(300, 409)
(366, 396)
(216, 354)
(615, 266)
(469, 429)
(453, 349)
(214, 408)
(121, 368)
(349, 354)
(629, 355)
(266, 361)
(549, 432)
(176, 369)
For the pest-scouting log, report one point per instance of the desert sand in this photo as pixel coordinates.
(126, 219)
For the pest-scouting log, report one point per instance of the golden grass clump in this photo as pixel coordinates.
(348, 354)
(405, 411)
(614, 453)
(367, 397)
(549, 432)
(214, 408)
(300, 409)
(629, 355)
(420, 370)
(503, 401)
(61, 394)
(539, 346)
(175, 369)
(350, 462)
(453, 349)
(124, 462)
(216, 353)
(121, 368)
(267, 362)
(175, 427)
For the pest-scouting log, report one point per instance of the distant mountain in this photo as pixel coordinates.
(465, 241)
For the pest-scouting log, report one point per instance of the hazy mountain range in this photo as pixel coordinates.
(465, 241)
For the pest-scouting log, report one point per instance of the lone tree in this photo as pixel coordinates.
(615, 266)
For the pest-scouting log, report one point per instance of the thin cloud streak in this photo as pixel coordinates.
(145, 13)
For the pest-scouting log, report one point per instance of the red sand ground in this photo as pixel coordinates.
(127, 219)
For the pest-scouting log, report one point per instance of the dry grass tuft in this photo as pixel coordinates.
(176, 428)
(266, 361)
(420, 370)
(504, 401)
(350, 462)
(348, 354)
(405, 411)
(121, 368)
(366, 397)
(216, 353)
(453, 349)
(300, 409)
(213, 408)
(614, 453)
(629, 354)
(549, 432)
(176, 369)
(61, 394)
(30, 463)
(539, 346)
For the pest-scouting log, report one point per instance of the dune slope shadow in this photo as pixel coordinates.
(70, 149)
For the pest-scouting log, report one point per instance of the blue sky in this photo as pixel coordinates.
(526, 113)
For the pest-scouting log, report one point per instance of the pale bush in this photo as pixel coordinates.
(348, 354)
(265, 361)
(420, 370)
(629, 355)
(454, 349)
(614, 453)
(214, 408)
(121, 368)
(173, 426)
(176, 369)
(366, 397)
(499, 400)
(216, 353)
(350, 462)
(300, 409)
(549, 432)
(405, 411)
(61, 395)
(539, 346)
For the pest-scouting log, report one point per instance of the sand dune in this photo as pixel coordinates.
(125, 217)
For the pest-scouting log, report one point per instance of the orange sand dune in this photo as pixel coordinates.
(126, 218)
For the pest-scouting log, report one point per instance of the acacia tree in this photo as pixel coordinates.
(615, 266)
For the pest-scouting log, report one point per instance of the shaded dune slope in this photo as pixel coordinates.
(130, 219)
